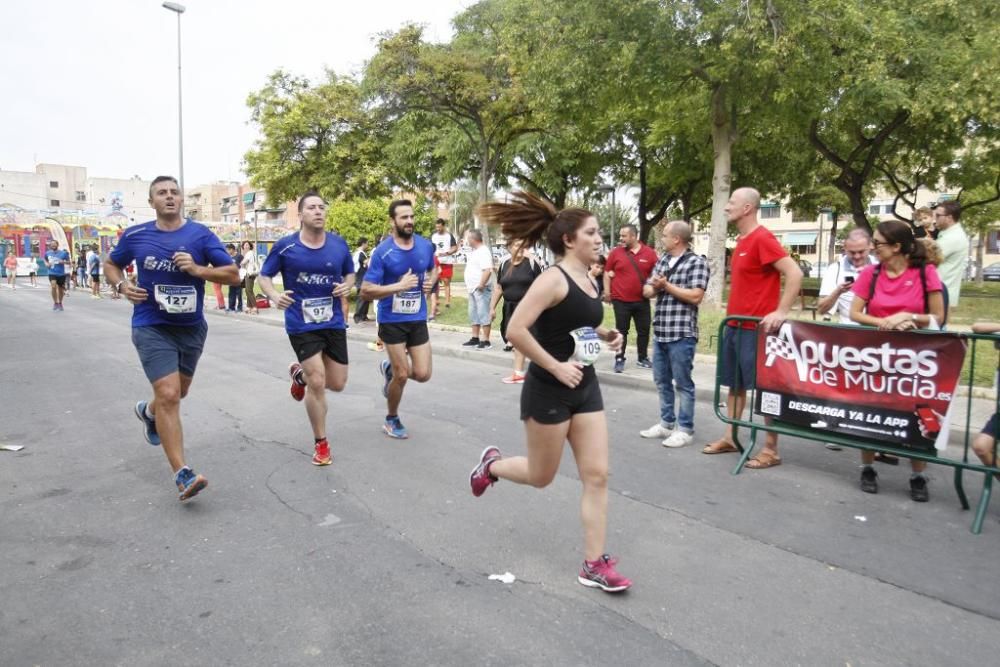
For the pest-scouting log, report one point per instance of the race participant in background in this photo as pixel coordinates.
(400, 274)
(175, 257)
(57, 260)
(316, 271)
(94, 269)
(558, 326)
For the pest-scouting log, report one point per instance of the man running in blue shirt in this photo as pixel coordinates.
(400, 274)
(56, 260)
(316, 270)
(174, 256)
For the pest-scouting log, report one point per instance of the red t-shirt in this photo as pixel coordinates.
(626, 285)
(756, 285)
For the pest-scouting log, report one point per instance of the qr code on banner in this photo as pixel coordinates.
(770, 403)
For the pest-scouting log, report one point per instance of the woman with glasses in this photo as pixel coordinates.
(901, 293)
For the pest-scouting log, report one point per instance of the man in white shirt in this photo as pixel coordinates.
(479, 283)
(835, 291)
(954, 245)
(445, 248)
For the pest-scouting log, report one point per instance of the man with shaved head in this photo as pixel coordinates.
(678, 282)
(758, 265)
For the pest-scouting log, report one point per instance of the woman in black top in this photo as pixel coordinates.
(558, 326)
(515, 276)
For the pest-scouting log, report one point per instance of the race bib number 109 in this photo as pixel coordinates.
(588, 345)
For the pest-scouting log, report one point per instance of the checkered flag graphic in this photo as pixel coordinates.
(776, 347)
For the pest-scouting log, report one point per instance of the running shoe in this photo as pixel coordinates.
(514, 378)
(484, 345)
(189, 483)
(395, 429)
(619, 365)
(602, 574)
(149, 425)
(322, 455)
(472, 342)
(385, 370)
(480, 477)
(644, 363)
(298, 388)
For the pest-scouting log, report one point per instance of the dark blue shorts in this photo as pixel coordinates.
(739, 358)
(990, 428)
(164, 349)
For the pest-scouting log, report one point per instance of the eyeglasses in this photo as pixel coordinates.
(878, 244)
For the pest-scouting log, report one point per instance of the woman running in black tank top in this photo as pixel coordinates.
(561, 398)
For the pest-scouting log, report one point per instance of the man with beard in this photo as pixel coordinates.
(400, 273)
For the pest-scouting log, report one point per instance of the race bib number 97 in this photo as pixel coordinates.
(318, 310)
(588, 345)
(176, 299)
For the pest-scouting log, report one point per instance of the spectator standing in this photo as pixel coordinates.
(479, 283)
(360, 259)
(250, 268)
(445, 249)
(954, 245)
(835, 294)
(678, 282)
(901, 293)
(94, 269)
(627, 270)
(515, 276)
(758, 265)
(82, 265)
(235, 291)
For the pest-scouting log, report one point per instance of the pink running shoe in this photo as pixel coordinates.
(601, 574)
(480, 477)
(298, 391)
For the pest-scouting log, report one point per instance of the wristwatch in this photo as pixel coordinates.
(118, 286)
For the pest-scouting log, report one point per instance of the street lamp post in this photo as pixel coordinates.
(179, 9)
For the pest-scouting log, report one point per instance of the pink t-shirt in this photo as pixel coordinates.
(902, 294)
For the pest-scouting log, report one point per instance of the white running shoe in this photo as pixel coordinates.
(678, 439)
(657, 431)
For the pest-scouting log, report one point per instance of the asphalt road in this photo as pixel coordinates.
(383, 558)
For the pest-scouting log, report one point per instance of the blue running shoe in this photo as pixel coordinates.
(395, 429)
(188, 483)
(385, 370)
(149, 425)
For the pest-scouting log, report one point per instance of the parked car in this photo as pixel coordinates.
(992, 272)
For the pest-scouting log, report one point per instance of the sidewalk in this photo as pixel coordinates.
(447, 341)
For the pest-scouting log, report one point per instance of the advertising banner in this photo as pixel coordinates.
(891, 386)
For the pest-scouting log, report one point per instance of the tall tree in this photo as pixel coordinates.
(466, 84)
(315, 137)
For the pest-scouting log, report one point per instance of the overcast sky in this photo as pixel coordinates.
(94, 83)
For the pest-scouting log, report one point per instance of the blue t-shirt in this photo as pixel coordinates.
(57, 256)
(174, 297)
(388, 264)
(311, 274)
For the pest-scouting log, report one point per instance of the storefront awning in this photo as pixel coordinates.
(800, 238)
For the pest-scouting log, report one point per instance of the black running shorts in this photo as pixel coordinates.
(331, 342)
(411, 333)
(549, 403)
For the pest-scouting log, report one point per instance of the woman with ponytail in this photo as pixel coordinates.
(558, 326)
